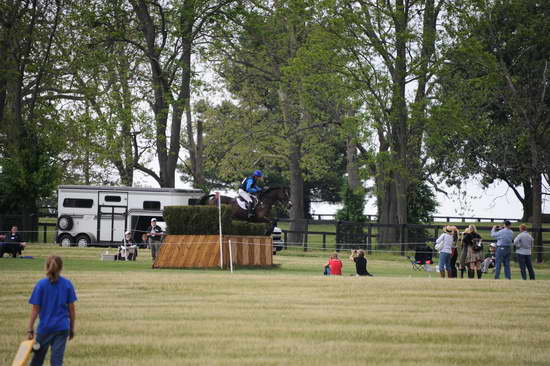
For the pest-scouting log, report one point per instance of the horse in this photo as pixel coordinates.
(266, 200)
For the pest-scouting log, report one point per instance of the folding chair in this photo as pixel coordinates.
(422, 258)
(415, 266)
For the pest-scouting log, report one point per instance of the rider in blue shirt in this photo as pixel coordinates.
(249, 188)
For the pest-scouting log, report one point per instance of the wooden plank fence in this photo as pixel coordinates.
(203, 251)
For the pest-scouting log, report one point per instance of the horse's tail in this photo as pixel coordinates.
(204, 199)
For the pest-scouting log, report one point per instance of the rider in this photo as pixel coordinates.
(249, 188)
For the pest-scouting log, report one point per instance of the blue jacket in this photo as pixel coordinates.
(249, 185)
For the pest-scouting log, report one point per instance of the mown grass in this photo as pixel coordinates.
(130, 314)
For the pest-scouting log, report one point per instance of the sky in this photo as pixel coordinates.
(498, 201)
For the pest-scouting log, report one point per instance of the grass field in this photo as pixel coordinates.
(130, 314)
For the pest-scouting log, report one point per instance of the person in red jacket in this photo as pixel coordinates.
(335, 264)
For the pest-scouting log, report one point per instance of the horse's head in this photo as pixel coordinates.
(279, 195)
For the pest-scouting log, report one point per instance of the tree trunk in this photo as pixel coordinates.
(536, 181)
(387, 213)
(162, 95)
(298, 222)
(527, 201)
(352, 168)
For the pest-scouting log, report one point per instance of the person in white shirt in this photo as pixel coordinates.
(444, 245)
(524, 243)
(128, 250)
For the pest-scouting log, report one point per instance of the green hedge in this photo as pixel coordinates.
(248, 228)
(203, 220)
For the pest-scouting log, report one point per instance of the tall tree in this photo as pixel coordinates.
(28, 121)
(507, 43)
(276, 62)
(169, 33)
(392, 48)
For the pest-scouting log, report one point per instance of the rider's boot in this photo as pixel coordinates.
(250, 208)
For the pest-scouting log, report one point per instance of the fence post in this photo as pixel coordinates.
(45, 232)
(403, 238)
(324, 241)
(285, 241)
(305, 237)
(369, 239)
(539, 245)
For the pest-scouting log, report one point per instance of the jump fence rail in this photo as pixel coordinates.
(374, 218)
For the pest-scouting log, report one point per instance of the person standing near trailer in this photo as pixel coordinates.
(154, 233)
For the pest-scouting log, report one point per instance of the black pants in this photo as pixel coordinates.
(453, 264)
(525, 261)
(10, 248)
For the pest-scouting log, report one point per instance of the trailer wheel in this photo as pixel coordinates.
(82, 240)
(65, 240)
(65, 222)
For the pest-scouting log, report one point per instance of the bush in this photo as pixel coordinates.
(203, 220)
(245, 228)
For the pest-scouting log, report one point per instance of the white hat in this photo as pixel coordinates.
(493, 245)
(127, 233)
(153, 219)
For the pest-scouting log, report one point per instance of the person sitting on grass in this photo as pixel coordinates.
(128, 250)
(13, 243)
(358, 256)
(489, 261)
(335, 264)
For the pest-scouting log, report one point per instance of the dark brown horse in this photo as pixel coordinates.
(266, 200)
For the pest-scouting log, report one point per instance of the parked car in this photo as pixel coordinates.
(278, 243)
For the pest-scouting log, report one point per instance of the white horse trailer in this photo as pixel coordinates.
(90, 215)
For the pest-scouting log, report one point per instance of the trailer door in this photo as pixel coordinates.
(111, 216)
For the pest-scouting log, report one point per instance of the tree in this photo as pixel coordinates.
(392, 52)
(275, 62)
(169, 35)
(28, 121)
(505, 49)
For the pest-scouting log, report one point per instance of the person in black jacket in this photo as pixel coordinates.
(360, 263)
(155, 234)
(13, 243)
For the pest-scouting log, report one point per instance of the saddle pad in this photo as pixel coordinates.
(241, 202)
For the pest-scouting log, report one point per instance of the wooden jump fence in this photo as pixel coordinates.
(203, 251)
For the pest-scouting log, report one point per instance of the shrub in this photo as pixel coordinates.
(203, 220)
(246, 228)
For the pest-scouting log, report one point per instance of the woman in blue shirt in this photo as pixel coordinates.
(53, 301)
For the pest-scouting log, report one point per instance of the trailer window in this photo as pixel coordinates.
(151, 205)
(78, 202)
(112, 198)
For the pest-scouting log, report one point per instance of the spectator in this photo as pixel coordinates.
(154, 233)
(504, 237)
(13, 243)
(472, 244)
(360, 263)
(444, 245)
(489, 261)
(53, 301)
(335, 265)
(128, 250)
(454, 254)
(463, 252)
(524, 244)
